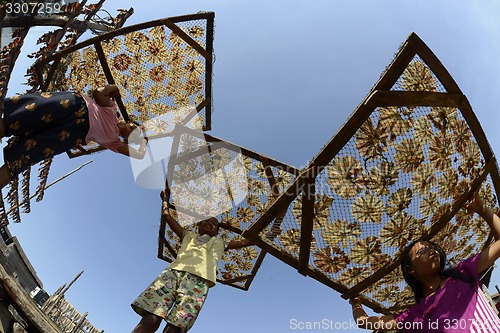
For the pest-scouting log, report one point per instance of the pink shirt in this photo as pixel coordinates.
(456, 307)
(103, 128)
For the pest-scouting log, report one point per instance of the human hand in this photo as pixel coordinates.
(144, 142)
(115, 94)
(110, 90)
(355, 301)
(113, 91)
(475, 204)
(165, 197)
(103, 95)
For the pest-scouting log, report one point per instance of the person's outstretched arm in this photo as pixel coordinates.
(238, 244)
(132, 152)
(384, 323)
(103, 95)
(491, 253)
(165, 214)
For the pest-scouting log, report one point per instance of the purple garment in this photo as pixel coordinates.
(450, 309)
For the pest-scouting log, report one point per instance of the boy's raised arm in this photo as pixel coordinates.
(165, 214)
(238, 244)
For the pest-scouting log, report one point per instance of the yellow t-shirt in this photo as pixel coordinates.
(199, 259)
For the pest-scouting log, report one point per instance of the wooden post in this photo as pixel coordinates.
(80, 323)
(25, 305)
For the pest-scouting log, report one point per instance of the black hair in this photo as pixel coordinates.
(444, 270)
(218, 223)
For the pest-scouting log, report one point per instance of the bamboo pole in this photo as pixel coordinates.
(53, 183)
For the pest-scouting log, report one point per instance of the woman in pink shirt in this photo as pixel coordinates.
(42, 125)
(447, 299)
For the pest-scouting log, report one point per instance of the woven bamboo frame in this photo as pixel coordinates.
(46, 68)
(305, 185)
(71, 29)
(168, 243)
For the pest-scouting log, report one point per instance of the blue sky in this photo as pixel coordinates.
(287, 75)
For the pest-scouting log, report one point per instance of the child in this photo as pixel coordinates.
(49, 123)
(447, 299)
(179, 292)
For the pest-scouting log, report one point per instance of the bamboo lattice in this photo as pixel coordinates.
(73, 20)
(163, 69)
(399, 170)
(212, 177)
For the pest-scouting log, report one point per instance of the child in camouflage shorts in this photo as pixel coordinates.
(178, 293)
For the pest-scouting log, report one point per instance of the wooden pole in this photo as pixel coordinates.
(25, 305)
(53, 183)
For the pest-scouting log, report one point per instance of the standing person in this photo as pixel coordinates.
(447, 299)
(46, 124)
(178, 293)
